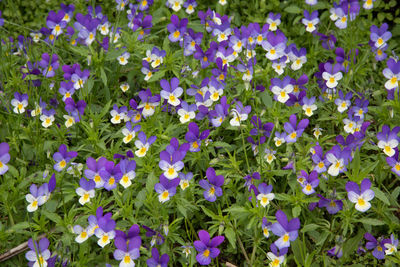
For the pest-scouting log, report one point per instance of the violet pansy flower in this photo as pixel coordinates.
(207, 248)
(166, 188)
(212, 187)
(4, 157)
(360, 197)
(286, 230)
(194, 137)
(171, 91)
(293, 129)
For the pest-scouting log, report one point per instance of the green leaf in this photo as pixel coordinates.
(351, 244)
(371, 221)
(293, 9)
(296, 211)
(52, 216)
(230, 234)
(210, 213)
(157, 76)
(309, 227)
(380, 195)
(266, 99)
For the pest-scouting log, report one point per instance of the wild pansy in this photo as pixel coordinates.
(67, 89)
(391, 246)
(266, 227)
(294, 130)
(351, 123)
(123, 58)
(190, 5)
(171, 91)
(310, 20)
(332, 74)
(79, 77)
(311, 2)
(111, 175)
(240, 113)
(129, 132)
(166, 188)
(393, 162)
(206, 57)
(308, 181)
(85, 191)
(380, 36)
(118, 114)
(124, 87)
(39, 254)
(276, 258)
(185, 179)
(368, 4)
(55, 22)
(274, 45)
(360, 107)
(281, 88)
(269, 155)
(105, 232)
(280, 138)
(344, 59)
(392, 73)
(19, 102)
(338, 160)
(219, 113)
(143, 144)
(68, 10)
(343, 102)
(156, 237)
(220, 72)
(75, 110)
(186, 112)
(156, 260)
(49, 65)
(264, 194)
(279, 65)
(388, 140)
(62, 157)
(212, 187)
(177, 28)
(171, 163)
(194, 137)
(148, 102)
(4, 157)
(86, 26)
(93, 170)
(297, 56)
(308, 105)
(377, 245)
(47, 117)
(127, 246)
(336, 251)
(360, 197)
(82, 233)
(317, 132)
(333, 206)
(36, 198)
(1, 20)
(206, 247)
(274, 20)
(286, 230)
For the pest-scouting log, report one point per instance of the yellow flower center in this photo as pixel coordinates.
(171, 171)
(310, 25)
(361, 201)
(117, 117)
(144, 3)
(379, 52)
(293, 135)
(275, 263)
(83, 234)
(308, 187)
(344, 19)
(104, 238)
(222, 36)
(266, 232)
(63, 163)
(331, 79)
(379, 248)
(380, 41)
(165, 194)
(283, 94)
(272, 51)
(332, 203)
(127, 259)
(211, 191)
(206, 253)
(221, 77)
(195, 145)
(86, 196)
(388, 149)
(393, 80)
(142, 150)
(20, 106)
(172, 98)
(57, 28)
(273, 24)
(205, 59)
(396, 167)
(176, 34)
(97, 178)
(111, 181)
(286, 238)
(186, 116)
(34, 203)
(321, 165)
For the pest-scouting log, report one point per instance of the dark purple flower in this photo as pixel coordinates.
(206, 248)
(39, 253)
(377, 246)
(111, 174)
(293, 129)
(49, 65)
(194, 137)
(288, 231)
(127, 245)
(360, 197)
(55, 22)
(156, 260)
(212, 187)
(333, 206)
(166, 188)
(177, 28)
(76, 110)
(4, 157)
(308, 182)
(62, 157)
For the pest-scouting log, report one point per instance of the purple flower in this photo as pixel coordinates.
(143, 144)
(276, 258)
(377, 246)
(287, 231)
(172, 163)
(206, 248)
(166, 188)
(85, 191)
(266, 227)
(20, 102)
(156, 236)
(264, 194)
(62, 157)
(281, 88)
(388, 139)
(361, 198)
(105, 232)
(177, 28)
(205, 57)
(212, 187)
(171, 91)
(392, 245)
(66, 89)
(111, 174)
(94, 168)
(333, 206)
(343, 102)
(1, 20)
(4, 157)
(76, 110)
(148, 102)
(49, 65)
(156, 260)
(344, 59)
(293, 129)
(127, 168)
(275, 45)
(338, 160)
(310, 20)
(336, 251)
(392, 73)
(308, 182)
(86, 26)
(127, 245)
(55, 22)
(380, 36)
(273, 20)
(194, 137)
(327, 42)
(39, 253)
(240, 113)
(332, 74)
(393, 161)
(249, 179)
(36, 198)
